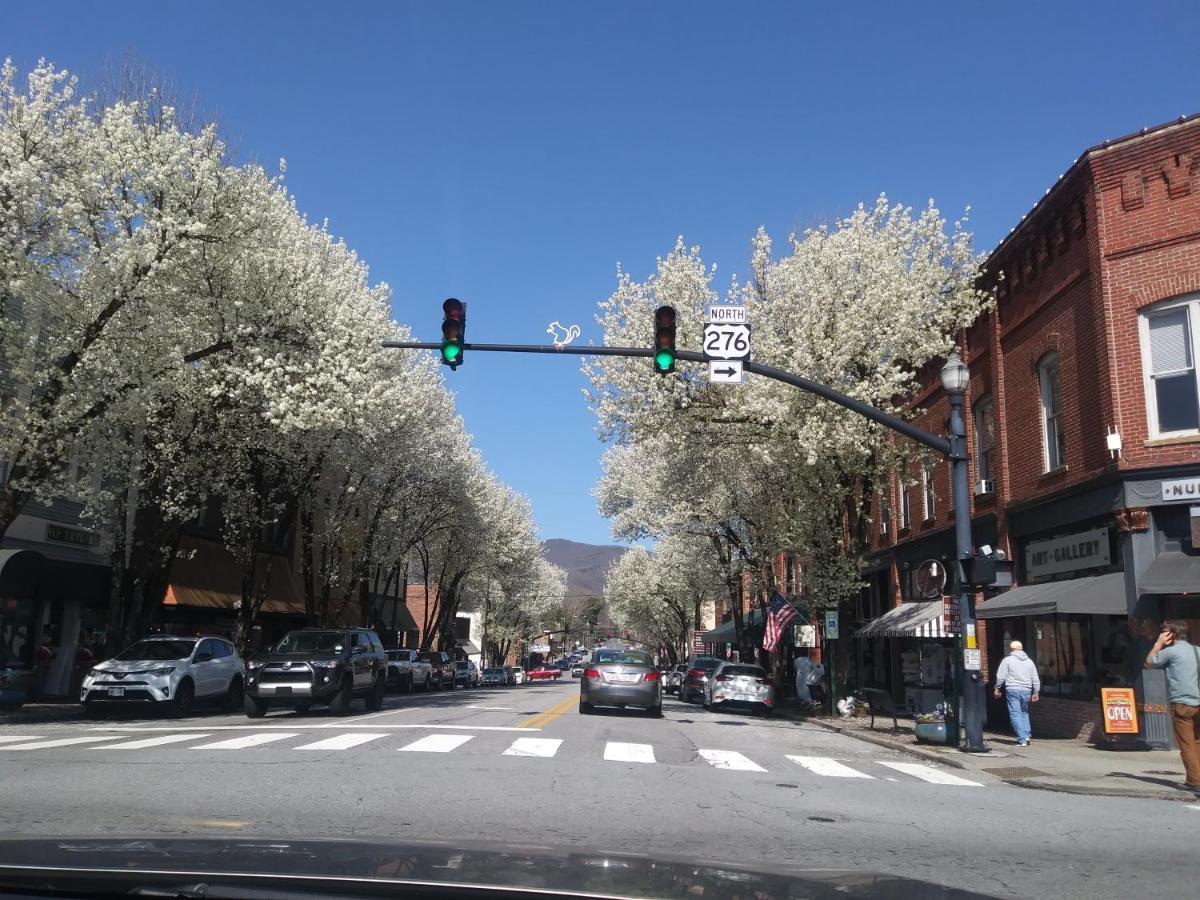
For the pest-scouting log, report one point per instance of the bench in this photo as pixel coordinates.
(881, 703)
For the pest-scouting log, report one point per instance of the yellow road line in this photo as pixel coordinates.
(549, 715)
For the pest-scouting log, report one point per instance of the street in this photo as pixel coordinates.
(520, 766)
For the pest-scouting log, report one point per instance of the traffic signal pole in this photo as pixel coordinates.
(953, 450)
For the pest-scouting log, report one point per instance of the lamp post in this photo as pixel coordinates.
(955, 376)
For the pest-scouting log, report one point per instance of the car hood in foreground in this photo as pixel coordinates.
(221, 867)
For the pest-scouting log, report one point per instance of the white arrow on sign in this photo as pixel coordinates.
(725, 372)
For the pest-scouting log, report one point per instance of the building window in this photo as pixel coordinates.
(985, 438)
(1168, 361)
(1053, 441)
(885, 514)
(927, 490)
(905, 511)
(1063, 652)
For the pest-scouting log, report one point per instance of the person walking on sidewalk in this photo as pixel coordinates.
(1181, 661)
(1018, 678)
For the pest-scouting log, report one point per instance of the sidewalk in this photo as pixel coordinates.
(42, 713)
(1048, 764)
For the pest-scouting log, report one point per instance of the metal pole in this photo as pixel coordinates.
(970, 681)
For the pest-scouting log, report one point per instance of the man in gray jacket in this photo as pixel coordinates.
(1018, 678)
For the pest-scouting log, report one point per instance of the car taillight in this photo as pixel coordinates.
(695, 673)
(724, 678)
(651, 676)
(591, 673)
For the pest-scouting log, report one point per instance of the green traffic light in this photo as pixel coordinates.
(451, 352)
(663, 360)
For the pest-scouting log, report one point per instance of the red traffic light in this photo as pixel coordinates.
(453, 309)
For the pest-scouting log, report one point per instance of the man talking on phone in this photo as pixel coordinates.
(1181, 661)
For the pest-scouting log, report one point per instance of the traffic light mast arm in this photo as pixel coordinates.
(933, 441)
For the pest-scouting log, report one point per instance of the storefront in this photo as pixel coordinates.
(921, 644)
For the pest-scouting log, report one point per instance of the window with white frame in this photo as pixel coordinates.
(985, 438)
(905, 510)
(885, 513)
(1054, 446)
(927, 489)
(1169, 333)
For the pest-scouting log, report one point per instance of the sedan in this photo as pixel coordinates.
(577, 670)
(674, 678)
(621, 678)
(695, 679)
(541, 673)
(494, 676)
(738, 684)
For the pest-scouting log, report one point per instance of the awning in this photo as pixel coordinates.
(388, 606)
(467, 647)
(207, 576)
(753, 623)
(1172, 572)
(1101, 595)
(908, 620)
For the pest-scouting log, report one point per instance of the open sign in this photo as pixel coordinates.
(1120, 710)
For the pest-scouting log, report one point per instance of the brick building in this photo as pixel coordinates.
(1084, 433)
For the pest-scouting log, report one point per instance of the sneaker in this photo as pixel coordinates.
(1022, 743)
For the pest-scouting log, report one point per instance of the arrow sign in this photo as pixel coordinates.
(725, 372)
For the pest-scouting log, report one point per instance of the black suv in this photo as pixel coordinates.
(318, 665)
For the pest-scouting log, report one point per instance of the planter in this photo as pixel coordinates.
(936, 732)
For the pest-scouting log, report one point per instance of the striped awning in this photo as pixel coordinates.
(909, 620)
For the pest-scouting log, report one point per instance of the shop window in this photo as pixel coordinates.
(1063, 653)
(1054, 447)
(1111, 635)
(985, 438)
(1168, 335)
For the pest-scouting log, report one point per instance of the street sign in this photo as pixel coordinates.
(972, 660)
(728, 372)
(718, 314)
(831, 625)
(731, 341)
(697, 641)
(539, 648)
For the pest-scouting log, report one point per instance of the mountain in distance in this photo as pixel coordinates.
(585, 564)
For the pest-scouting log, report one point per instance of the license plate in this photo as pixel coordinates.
(282, 691)
(629, 679)
(747, 697)
(116, 692)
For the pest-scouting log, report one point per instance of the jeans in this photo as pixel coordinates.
(1018, 712)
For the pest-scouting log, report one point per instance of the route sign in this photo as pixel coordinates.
(730, 341)
(731, 315)
(728, 372)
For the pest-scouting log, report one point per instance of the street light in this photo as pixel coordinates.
(955, 377)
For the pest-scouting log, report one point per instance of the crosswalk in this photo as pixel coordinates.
(525, 747)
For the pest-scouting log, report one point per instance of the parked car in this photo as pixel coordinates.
(674, 677)
(169, 672)
(518, 674)
(466, 674)
(577, 670)
(621, 678)
(741, 685)
(406, 670)
(542, 673)
(311, 666)
(695, 679)
(494, 676)
(441, 669)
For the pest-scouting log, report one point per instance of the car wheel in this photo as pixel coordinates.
(408, 684)
(233, 696)
(185, 694)
(375, 698)
(254, 708)
(585, 708)
(428, 684)
(340, 704)
(768, 713)
(655, 711)
(704, 701)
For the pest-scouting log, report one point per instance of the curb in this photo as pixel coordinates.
(927, 755)
(1035, 785)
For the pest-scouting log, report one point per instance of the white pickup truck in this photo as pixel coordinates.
(405, 671)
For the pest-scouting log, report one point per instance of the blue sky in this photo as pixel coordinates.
(511, 154)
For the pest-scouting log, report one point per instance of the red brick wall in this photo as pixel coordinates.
(1052, 717)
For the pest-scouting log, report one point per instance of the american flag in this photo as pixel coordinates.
(780, 614)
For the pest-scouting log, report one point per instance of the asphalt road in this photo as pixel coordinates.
(519, 765)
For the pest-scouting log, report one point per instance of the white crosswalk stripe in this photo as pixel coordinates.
(250, 740)
(438, 743)
(929, 773)
(544, 747)
(58, 742)
(14, 738)
(151, 742)
(620, 752)
(823, 765)
(731, 759)
(340, 742)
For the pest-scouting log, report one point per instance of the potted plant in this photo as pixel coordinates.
(930, 728)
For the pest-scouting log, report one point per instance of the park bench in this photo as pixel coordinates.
(881, 703)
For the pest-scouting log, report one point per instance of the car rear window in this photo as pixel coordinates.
(624, 657)
(708, 664)
(749, 671)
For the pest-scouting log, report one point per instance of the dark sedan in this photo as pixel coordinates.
(695, 680)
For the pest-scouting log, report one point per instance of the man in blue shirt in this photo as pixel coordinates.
(1181, 661)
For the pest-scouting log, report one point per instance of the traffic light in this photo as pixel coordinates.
(664, 340)
(454, 332)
